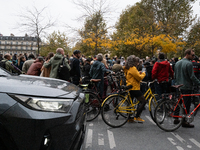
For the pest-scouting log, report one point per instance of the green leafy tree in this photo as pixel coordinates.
(173, 16)
(193, 39)
(93, 34)
(54, 41)
(151, 25)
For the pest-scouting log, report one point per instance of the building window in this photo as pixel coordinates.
(17, 43)
(11, 43)
(22, 43)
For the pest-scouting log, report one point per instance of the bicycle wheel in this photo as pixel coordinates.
(168, 115)
(114, 111)
(152, 106)
(93, 105)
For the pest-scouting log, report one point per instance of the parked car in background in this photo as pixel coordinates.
(38, 113)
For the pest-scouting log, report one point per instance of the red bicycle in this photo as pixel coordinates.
(171, 111)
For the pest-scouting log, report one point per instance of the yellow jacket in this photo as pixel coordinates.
(134, 77)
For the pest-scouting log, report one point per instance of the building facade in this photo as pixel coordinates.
(18, 44)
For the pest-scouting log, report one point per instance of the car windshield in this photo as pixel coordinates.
(4, 72)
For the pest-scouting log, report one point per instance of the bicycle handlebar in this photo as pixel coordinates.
(148, 83)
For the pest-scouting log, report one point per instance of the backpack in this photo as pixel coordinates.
(72, 71)
(3, 64)
(63, 71)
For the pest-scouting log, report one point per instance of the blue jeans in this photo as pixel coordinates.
(161, 88)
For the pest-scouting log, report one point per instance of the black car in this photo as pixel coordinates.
(38, 113)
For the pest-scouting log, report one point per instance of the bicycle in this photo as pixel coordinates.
(117, 108)
(151, 98)
(93, 99)
(171, 112)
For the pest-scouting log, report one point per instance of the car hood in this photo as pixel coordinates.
(38, 86)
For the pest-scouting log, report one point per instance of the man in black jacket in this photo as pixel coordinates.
(86, 70)
(75, 72)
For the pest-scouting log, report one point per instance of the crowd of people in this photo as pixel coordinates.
(165, 72)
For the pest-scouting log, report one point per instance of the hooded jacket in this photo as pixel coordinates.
(35, 68)
(162, 70)
(54, 63)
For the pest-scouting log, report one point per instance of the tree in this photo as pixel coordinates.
(173, 17)
(54, 41)
(34, 23)
(94, 33)
(193, 39)
(142, 32)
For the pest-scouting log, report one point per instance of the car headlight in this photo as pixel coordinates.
(46, 104)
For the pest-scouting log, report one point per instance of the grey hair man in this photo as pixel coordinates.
(55, 61)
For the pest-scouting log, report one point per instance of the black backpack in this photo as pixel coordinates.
(63, 71)
(72, 71)
(3, 64)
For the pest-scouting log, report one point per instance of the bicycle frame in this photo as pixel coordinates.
(124, 109)
(184, 107)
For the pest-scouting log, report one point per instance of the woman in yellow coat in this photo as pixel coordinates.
(133, 77)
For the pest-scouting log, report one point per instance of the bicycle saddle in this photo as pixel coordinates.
(177, 86)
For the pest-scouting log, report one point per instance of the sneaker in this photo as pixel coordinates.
(138, 119)
(176, 121)
(131, 120)
(187, 125)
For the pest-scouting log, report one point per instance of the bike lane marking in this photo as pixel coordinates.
(195, 142)
(181, 139)
(149, 118)
(100, 139)
(172, 141)
(89, 139)
(111, 139)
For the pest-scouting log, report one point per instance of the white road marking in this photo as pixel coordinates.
(181, 139)
(89, 139)
(150, 120)
(195, 142)
(178, 137)
(179, 148)
(99, 117)
(172, 140)
(91, 124)
(111, 139)
(100, 139)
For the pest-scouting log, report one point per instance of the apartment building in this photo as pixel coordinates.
(18, 44)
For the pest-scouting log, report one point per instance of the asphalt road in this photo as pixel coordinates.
(137, 136)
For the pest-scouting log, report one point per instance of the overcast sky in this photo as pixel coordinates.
(64, 10)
